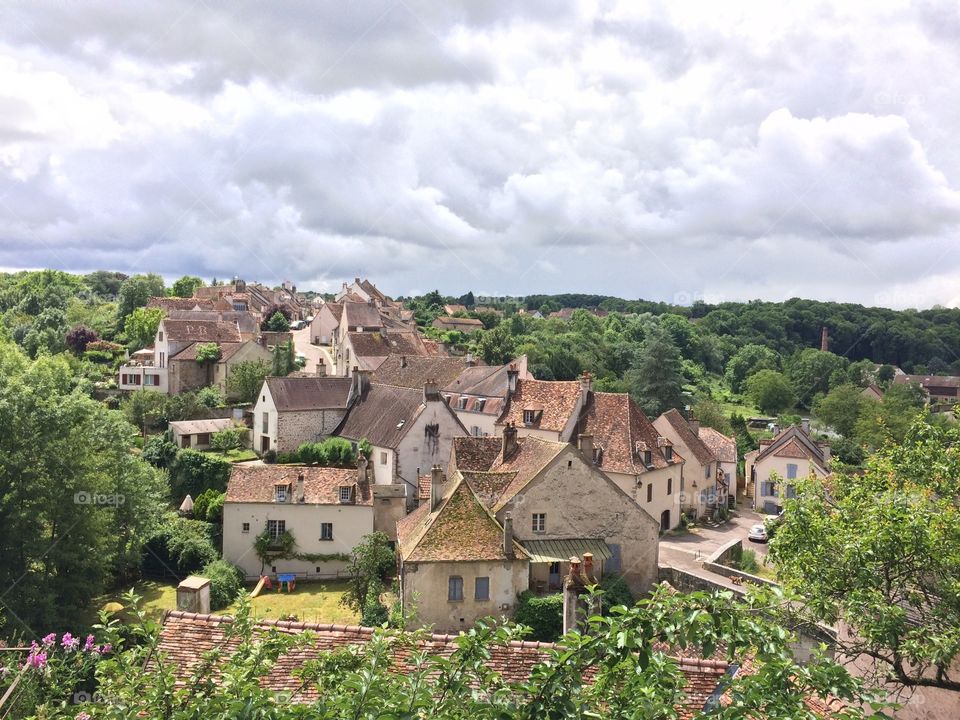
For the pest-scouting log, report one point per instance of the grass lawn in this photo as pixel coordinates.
(236, 455)
(155, 597)
(311, 602)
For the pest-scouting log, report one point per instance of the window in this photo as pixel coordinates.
(791, 491)
(265, 423)
(326, 531)
(768, 488)
(650, 492)
(455, 589)
(791, 471)
(481, 588)
(280, 493)
(462, 403)
(153, 380)
(160, 335)
(203, 438)
(346, 493)
(706, 472)
(163, 360)
(475, 431)
(528, 417)
(668, 452)
(276, 528)
(647, 458)
(245, 527)
(539, 522)
(383, 458)
(478, 406)
(670, 486)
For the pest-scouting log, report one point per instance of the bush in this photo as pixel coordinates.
(615, 592)
(211, 397)
(270, 457)
(208, 506)
(194, 472)
(226, 580)
(98, 356)
(748, 562)
(375, 613)
(286, 458)
(159, 451)
(227, 439)
(544, 615)
(180, 546)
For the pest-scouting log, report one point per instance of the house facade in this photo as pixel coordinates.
(291, 411)
(546, 409)
(479, 394)
(791, 455)
(326, 324)
(196, 434)
(703, 483)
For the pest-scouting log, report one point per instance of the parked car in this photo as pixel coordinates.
(758, 533)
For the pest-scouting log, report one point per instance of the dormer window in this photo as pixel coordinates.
(346, 493)
(280, 493)
(160, 335)
(668, 452)
(462, 403)
(528, 417)
(647, 458)
(479, 404)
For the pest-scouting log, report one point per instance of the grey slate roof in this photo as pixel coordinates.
(309, 393)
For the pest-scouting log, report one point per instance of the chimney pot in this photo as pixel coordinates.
(509, 440)
(588, 567)
(508, 536)
(586, 446)
(431, 391)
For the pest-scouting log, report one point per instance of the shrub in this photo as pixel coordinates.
(98, 356)
(544, 615)
(79, 337)
(227, 439)
(226, 580)
(375, 613)
(208, 506)
(211, 397)
(159, 451)
(193, 472)
(208, 353)
(179, 546)
(286, 458)
(748, 562)
(270, 457)
(615, 592)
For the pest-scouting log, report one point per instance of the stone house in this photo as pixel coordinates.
(724, 449)
(187, 374)
(326, 510)
(196, 434)
(369, 350)
(479, 394)
(546, 409)
(291, 411)
(702, 482)
(792, 454)
(621, 441)
(410, 430)
(462, 324)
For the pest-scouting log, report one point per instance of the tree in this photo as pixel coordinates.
(144, 408)
(278, 323)
(208, 352)
(226, 582)
(79, 337)
(104, 283)
(193, 472)
(654, 378)
(495, 346)
(284, 359)
(749, 360)
(141, 327)
(246, 379)
(186, 286)
(885, 375)
(160, 451)
(270, 311)
(813, 371)
(227, 439)
(771, 391)
(372, 562)
(841, 407)
(891, 418)
(710, 414)
(880, 553)
(134, 293)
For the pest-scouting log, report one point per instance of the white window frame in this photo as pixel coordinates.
(324, 535)
(539, 522)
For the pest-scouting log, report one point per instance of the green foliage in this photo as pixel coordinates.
(654, 378)
(246, 379)
(160, 451)
(78, 337)
(179, 546)
(495, 346)
(104, 283)
(208, 352)
(879, 550)
(749, 360)
(208, 506)
(375, 613)
(134, 293)
(77, 504)
(615, 592)
(210, 397)
(193, 472)
(710, 414)
(186, 286)
(841, 407)
(284, 359)
(278, 323)
(542, 614)
(226, 582)
(141, 326)
(814, 372)
(372, 562)
(771, 391)
(748, 562)
(227, 439)
(332, 452)
(144, 408)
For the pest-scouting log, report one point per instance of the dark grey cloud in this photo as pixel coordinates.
(639, 150)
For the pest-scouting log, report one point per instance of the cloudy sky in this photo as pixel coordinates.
(666, 150)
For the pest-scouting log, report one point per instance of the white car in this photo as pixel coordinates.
(758, 533)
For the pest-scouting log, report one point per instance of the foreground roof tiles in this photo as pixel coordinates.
(321, 485)
(556, 400)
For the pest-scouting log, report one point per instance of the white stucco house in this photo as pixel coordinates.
(792, 454)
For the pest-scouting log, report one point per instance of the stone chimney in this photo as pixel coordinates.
(586, 385)
(588, 568)
(585, 443)
(470, 361)
(193, 595)
(824, 339)
(572, 588)
(508, 536)
(510, 444)
(436, 480)
(403, 361)
(512, 375)
(805, 424)
(362, 465)
(694, 425)
(300, 494)
(431, 391)
(361, 381)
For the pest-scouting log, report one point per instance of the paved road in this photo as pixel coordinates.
(314, 353)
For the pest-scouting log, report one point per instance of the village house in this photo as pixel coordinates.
(546, 409)
(621, 441)
(187, 373)
(291, 411)
(724, 448)
(326, 323)
(326, 510)
(703, 484)
(461, 324)
(416, 370)
(792, 454)
(941, 390)
(368, 350)
(479, 394)
(454, 308)
(410, 430)
(196, 434)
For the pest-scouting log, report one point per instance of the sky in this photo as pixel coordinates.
(668, 150)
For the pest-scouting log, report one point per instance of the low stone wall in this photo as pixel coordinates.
(721, 560)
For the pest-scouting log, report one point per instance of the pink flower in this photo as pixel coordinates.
(49, 640)
(69, 642)
(37, 660)
(82, 716)
(89, 644)
(103, 649)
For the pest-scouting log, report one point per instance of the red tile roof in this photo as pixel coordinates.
(413, 371)
(622, 431)
(362, 315)
(688, 437)
(200, 330)
(724, 448)
(466, 325)
(179, 303)
(382, 414)
(321, 485)
(557, 400)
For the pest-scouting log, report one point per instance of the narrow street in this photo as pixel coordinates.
(314, 353)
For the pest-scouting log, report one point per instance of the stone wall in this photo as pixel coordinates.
(296, 428)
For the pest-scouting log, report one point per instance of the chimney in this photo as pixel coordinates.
(694, 425)
(403, 361)
(805, 424)
(300, 492)
(512, 375)
(588, 568)
(586, 446)
(509, 440)
(436, 480)
(193, 595)
(508, 536)
(361, 468)
(586, 384)
(824, 339)
(361, 381)
(321, 369)
(470, 362)
(572, 585)
(431, 391)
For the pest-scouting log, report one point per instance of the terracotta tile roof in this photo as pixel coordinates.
(791, 449)
(321, 485)
(454, 309)
(415, 370)
(460, 530)
(362, 315)
(466, 325)
(724, 448)
(940, 381)
(382, 415)
(200, 330)
(207, 425)
(490, 383)
(424, 483)
(227, 350)
(556, 401)
(335, 308)
(796, 443)
(688, 437)
(622, 432)
(384, 344)
(480, 460)
(309, 393)
(185, 638)
(179, 303)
